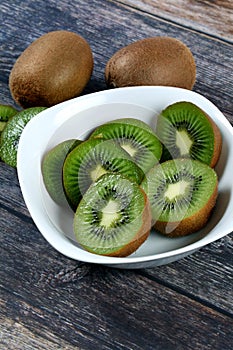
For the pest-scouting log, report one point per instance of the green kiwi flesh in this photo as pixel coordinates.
(91, 159)
(51, 168)
(11, 134)
(135, 137)
(6, 112)
(133, 121)
(186, 131)
(111, 218)
(182, 193)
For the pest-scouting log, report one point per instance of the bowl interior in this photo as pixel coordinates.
(77, 120)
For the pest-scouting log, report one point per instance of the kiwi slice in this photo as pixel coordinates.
(91, 159)
(133, 121)
(11, 134)
(135, 137)
(6, 112)
(187, 131)
(51, 168)
(113, 217)
(182, 194)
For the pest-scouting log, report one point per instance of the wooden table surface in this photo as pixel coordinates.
(51, 302)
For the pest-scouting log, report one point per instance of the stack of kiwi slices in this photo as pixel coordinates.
(126, 178)
(100, 178)
(12, 124)
(183, 188)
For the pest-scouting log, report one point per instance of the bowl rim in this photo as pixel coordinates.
(78, 104)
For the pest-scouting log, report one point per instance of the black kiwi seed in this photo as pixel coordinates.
(105, 223)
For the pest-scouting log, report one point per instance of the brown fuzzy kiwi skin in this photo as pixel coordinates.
(191, 224)
(54, 68)
(162, 60)
(140, 236)
(217, 142)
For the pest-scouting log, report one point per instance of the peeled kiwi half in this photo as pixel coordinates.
(187, 131)
(91, 159)
(113, 217)
(51, 168)
(182, 194)
(135, 137)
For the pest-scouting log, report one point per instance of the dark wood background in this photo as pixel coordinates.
(50, 302)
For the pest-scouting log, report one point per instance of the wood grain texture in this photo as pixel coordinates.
(50, 302)
(55, 297)
(210, 17)
(15, 336)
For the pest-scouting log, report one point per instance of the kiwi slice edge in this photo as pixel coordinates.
(132, 121)
(51, 168)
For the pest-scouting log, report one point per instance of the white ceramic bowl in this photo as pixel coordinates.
(74, 119)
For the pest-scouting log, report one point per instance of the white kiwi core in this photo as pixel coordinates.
(110, 213)
(183, 142)
(177, 189)
(129, 149)
(97, 172)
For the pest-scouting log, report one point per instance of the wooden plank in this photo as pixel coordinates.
(15, 336)
(57, 298)
(210, 17)
(202, 276)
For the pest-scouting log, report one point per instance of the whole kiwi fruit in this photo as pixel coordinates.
(157, 61)
(55, 67)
